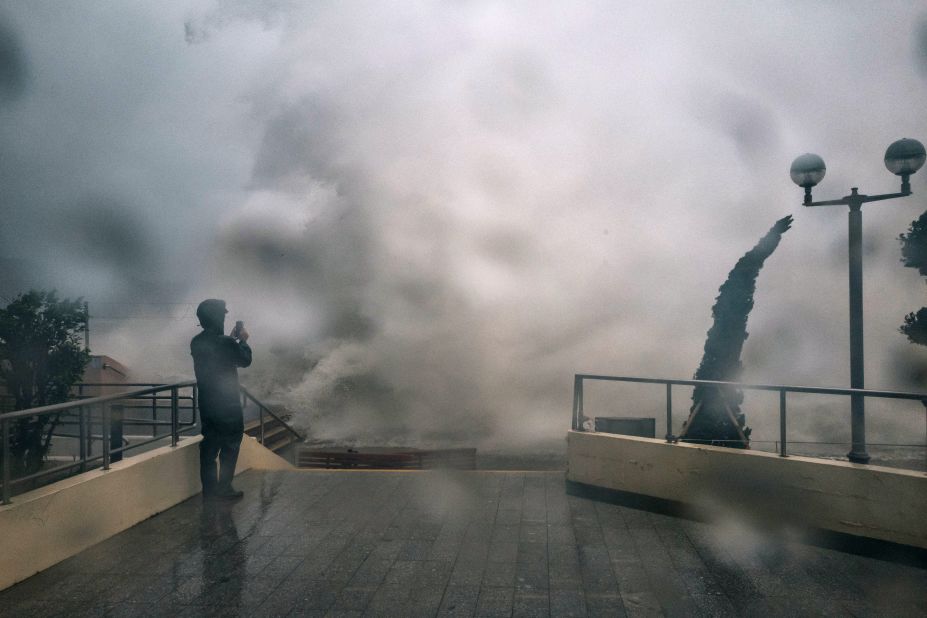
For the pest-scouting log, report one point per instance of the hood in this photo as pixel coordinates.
(211, 314)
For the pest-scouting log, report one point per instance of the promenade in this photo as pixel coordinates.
(326, 543)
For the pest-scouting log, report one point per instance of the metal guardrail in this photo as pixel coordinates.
(579, 378)
(155, 404)
(101, 407)
(264, 410)
(246, 396)
(98, 411)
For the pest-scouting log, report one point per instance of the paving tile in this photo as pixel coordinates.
(474, 551)
(532, 552)
(711, 605)
(567, 603)
(531, 576)
(423, 603)
(307, 612)
(433, 574)
(315, 596)
(495, 602)
(503, 551)
(642, 603)
(533, 533)
(334, 544)
(144, 610)
(344, 613)
(459, 601)
(354, 598)
(413, 550)
(528, 605)
(602, 605)
(281, 566)
(371, 572)
(560, 534)
(402, 572)
(467, 573)
(185, 592)
(508, 516)
(388, 600)
(499, 574)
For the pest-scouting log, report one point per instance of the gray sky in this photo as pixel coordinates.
(431, 214)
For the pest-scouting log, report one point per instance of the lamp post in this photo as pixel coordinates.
(902, 158)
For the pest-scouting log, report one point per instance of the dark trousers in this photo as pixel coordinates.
(223, 441)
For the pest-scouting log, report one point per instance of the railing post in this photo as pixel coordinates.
(82, 431)
(105, 430)
(195, 404)
(90, 431)
(669, 412)
(6, 461)
(924, 403)
(577, 403)
(261, 416)
(783, 448)
(154, 415)
(174, 436)
(116, 428)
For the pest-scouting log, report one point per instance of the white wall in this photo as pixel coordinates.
(870, 501)
(45, 526)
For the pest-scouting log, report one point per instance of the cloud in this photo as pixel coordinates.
(920, 45)
(13, 71)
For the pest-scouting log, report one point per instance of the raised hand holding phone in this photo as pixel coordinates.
(239, 331)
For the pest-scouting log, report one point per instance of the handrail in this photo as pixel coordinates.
(86, 418)
(61, 407)
(83, 409)
(821, 390)
(579, 378)
(109, 384)
(262, 409)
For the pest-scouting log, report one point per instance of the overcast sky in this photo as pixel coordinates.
(431, 214)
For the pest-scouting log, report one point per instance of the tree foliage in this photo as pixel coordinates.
(914, 255)
(915, 326)
(41, 357)
(713, 408)
(914, 245)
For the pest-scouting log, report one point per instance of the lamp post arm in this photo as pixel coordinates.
(857, 199)
(885, 196)
(840, 202)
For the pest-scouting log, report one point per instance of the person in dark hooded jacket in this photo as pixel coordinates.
(216, 359)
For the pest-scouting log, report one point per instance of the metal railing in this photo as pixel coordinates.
(100, 419)
(263, 413)
(579, 417)
(86, 413)
(153, 405)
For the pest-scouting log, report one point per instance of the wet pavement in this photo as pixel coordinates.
(451, 544)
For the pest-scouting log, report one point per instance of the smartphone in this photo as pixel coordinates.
(238, 326)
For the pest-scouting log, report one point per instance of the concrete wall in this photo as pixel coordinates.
(104, 370)
(45, 526)
(792, 492)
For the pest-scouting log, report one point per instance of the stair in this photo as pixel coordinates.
(277, 436)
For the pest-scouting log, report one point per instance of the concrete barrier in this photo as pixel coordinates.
(45, 526)
(789, 492)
